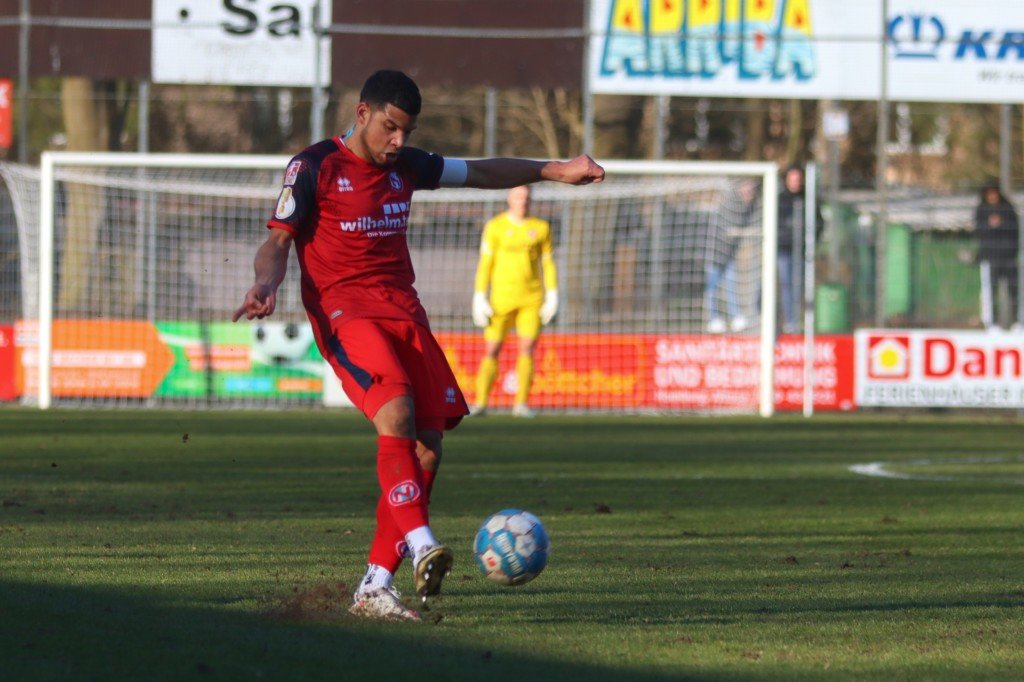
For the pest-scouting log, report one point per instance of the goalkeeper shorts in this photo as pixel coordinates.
(527, 320)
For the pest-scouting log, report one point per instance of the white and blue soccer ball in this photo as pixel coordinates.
(511, 547)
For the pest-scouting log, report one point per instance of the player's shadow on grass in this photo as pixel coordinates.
(63, 632)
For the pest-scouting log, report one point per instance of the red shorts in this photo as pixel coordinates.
(378, 360)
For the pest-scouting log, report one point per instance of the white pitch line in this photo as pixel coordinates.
(879, 470)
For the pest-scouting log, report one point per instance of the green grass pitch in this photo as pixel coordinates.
(157, 545)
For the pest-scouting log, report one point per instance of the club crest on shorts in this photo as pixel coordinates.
(396, 181)
(405, 492)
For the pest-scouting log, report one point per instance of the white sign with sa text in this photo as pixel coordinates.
(239, 42)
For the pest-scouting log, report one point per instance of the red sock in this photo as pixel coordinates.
(389, 547)
(428, 484)
(402, 505)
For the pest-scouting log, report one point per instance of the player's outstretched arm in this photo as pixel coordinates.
(271, 263)
(504, 173)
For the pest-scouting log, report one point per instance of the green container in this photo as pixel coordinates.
(831, 311)
(897, 273)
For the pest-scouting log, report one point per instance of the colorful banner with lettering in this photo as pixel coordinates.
(136, 359)
(227, 360)
(938, 51)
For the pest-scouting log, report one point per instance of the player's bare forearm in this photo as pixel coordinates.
(503, 173)
(270, 264)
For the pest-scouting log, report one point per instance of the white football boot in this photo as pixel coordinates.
(383, 603)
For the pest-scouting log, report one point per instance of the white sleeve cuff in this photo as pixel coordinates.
(454, 173)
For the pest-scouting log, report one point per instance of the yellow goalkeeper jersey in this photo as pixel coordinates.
(511, 256)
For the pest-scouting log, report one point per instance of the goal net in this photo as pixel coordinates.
(131, 266)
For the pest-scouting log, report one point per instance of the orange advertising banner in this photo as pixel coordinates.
(6, 112)
(659, 371)
(95, 358)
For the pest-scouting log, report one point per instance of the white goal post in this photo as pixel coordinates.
(635, 254)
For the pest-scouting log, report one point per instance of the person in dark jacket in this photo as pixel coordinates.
(791, 218)
(995, 221)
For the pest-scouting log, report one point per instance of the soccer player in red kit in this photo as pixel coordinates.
(345, 205)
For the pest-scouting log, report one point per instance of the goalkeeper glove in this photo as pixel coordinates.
(550, 306)
(482, 309)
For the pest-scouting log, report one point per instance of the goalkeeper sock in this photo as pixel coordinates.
(524, 377)
(485, 377)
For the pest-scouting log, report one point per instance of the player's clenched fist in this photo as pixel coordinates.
(582, 170)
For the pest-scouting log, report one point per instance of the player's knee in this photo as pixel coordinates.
(396, 418)
(428, 449)
(493, 349)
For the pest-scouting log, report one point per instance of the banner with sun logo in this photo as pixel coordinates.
(939, 368)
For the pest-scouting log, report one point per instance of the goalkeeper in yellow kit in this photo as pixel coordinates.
(513, 250)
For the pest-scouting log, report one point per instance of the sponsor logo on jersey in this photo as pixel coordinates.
(396, 181)
(344, 185)
(449, 395)
(292, 174)
(395, 220)
(405, 492)
(285, 204)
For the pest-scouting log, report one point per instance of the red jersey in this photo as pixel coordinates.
(349, 218)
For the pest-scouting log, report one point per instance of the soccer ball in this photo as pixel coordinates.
(280, 343)
(511, 547)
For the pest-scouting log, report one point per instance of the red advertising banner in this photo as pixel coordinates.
(6, 112)
(652, 371)
(8, 364)
(585, 371)
(833, 373)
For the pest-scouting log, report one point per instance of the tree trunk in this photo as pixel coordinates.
(795, 131)
(87, 130)
(755, 132)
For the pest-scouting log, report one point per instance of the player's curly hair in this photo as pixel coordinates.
(394, 88)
